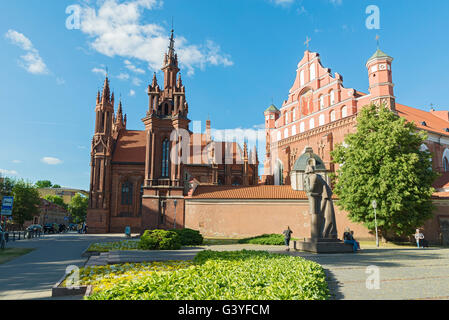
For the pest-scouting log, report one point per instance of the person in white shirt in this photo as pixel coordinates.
(419, 237)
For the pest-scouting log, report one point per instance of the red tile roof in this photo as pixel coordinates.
(250, 192)
(417, 116)
(130, 147)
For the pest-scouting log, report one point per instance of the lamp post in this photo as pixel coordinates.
(176, 204)
(375, 221)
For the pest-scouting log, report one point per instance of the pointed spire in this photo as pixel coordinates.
(106, 91)
(98, 97)
(154, 83)
(179, 81)
(171, 47)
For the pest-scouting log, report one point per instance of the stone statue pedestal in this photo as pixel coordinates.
(323, 246)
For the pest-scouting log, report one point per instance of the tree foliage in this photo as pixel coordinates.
(78, 208)
(382, 161)
(57, 200)
(26, 201)
(43, 184)
(6, 186)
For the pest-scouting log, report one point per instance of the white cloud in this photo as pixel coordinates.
(137, 82)
(123, 76)
(5, 172)
(31, 61)
(283, 2)
(60, 81)
(99, 71)
(51, 161)
(133, 68)
(132, 93)
(17, 161)
(115, 29)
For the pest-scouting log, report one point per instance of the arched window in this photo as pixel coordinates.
(165, 157)
(237, 181)
(321, 102)
(311, 124)
(127, 193)
(294, 114)
(321, 120)
(301, 78)
(286, 133)
(166, 109)
(279, 136)
(332, 116)
(294, 130)
(344, 112)
(332, 97)
(279, 173)
(446, 160)
(312, 72)
(302, 127)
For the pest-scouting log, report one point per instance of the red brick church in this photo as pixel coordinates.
(140, 178)
(215, 188)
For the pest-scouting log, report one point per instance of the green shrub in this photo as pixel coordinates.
(242, 275)
(266, 239)
(160, 240)
(189, 237)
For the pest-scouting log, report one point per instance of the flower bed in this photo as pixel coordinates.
(242, 275)
(106, 277)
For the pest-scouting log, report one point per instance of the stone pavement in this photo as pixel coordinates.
(404, 273)
(33, 275)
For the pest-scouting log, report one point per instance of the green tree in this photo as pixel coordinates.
(26, 202)
(43, 184)
(56, 186)
(78, 208)
(6, 186)
(382, 161)
(56, 200)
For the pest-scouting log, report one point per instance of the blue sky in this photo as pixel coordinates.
(237, 56)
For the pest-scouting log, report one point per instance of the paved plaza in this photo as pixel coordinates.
(404, 272)
(33, 275)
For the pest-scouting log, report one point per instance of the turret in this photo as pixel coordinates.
(381, 80)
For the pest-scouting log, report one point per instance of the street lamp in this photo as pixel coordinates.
(375, 221)
(175, 203)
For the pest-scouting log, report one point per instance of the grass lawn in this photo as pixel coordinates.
(10, 253)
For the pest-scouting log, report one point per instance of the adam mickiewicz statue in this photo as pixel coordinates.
(321, 207)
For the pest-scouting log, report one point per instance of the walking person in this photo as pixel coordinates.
(2, 238)
(419, 237)
(287, 237)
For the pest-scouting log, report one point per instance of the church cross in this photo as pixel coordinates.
(377, 39)
(307, 42)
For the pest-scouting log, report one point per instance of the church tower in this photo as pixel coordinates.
(271, 116)
(381, 80)
(101, 153)
(166, 117)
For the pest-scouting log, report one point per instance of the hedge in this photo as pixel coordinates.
(160, 240)
(189, 237)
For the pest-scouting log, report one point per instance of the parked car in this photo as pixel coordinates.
(50, 228)
(35, 227)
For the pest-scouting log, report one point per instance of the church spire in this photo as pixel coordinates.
(106, 91)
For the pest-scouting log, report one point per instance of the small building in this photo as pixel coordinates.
(65, 193)
(49, 213)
